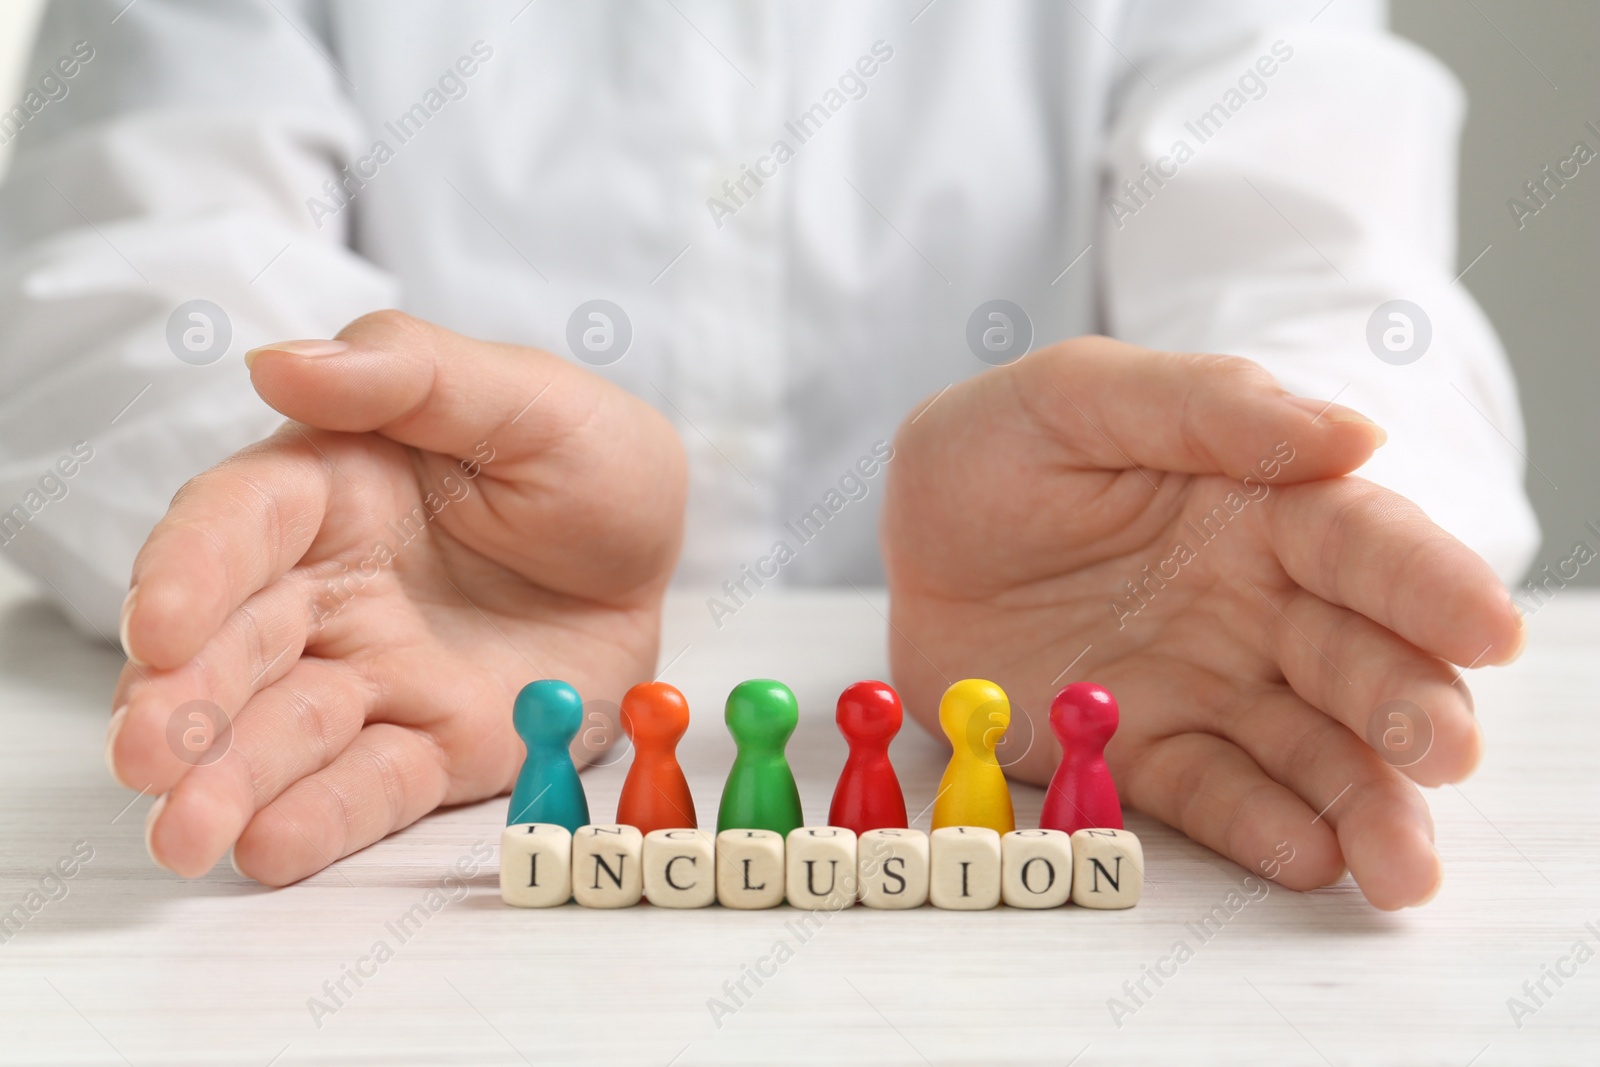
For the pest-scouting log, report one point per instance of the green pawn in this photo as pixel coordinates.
(761, 794)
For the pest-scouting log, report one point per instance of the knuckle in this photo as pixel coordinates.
(315, 722)
(1344, 530)
(1232, 370)
(385, 321)
(1248, 815)
(387, 766)
(340, 825)
(1346, 641)
(1060, 364)
(1312, 743)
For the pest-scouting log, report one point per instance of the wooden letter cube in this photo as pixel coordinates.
(607, 867)
(822, 867)
(892, 868)
(750, 869)
(1107, 869)
(965, 872)
(1035, 868)
(535, 865)
(679, 869)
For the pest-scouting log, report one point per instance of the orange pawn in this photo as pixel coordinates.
(655, 795)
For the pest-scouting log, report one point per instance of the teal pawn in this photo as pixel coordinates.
(761, 794)
(547, 715)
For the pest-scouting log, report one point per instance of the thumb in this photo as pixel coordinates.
(598, 472)
(430, 388)
(1117, 406)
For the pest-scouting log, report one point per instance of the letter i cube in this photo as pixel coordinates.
(965, 871)
(1035, 868)
(535, 865)
(607, 871)
(892, 868)
(822, 867)
(679, 869)
(750, 870)
(1107, 868)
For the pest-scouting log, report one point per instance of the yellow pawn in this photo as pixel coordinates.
(973, 792)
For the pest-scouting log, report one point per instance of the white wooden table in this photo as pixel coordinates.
(133, 965)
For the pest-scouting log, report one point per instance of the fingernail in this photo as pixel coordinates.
(122, 626)
(150, 825)
(113, 728)
(1381, 436)
(1522, 640)
(1324, 409)
(235, 865)
(311, 347)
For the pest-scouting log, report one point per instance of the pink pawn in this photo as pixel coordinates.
(1082, 795)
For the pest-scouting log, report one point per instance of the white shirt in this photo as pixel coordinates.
(537, 157)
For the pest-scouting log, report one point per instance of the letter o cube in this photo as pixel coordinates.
(1035, 868)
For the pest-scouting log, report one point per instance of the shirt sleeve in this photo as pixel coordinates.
(1286, 192)
(172, 165)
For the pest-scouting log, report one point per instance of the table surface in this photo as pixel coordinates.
(135, 966)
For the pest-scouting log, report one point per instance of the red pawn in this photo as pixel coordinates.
(1082, 795)
(655, 795)
(868, 795)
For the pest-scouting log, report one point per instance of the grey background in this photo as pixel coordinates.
(1532, 81)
